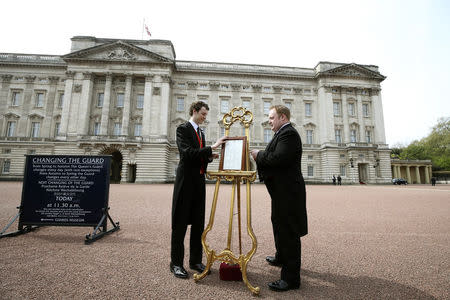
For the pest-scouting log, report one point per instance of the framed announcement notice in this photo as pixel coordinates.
(233, 153)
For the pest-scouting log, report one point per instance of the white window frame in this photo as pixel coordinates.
(100, 99)
(6, 166)
(11, 128)
(267, 135)
(117, 130)
(266, 107)
(351, 109)
(57, 128)
(140, 101)
(336, 108)
(35, 129)
(343, 170)
(39, 99)
(96, 129)
(368, 136)
(365, 108)
(353, 135)
(310, 171)
(60, 100)
(308, 109)
(309, 136)
(15, 98)
(224, 106)
(120, 99)
(180, 104)
(138, 129)
(337, 136)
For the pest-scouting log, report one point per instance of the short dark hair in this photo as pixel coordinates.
(197, 106)
(282, 110)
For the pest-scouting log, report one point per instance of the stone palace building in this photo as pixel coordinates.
(125, 98)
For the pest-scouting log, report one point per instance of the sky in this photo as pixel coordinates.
(409, 40)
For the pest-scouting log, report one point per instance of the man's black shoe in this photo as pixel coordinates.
(199, 268)
(273, 261)
(282, 286)
(178, 271)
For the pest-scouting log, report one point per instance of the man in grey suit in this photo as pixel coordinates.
(279, 166)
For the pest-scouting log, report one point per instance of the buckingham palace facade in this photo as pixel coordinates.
(125, 98)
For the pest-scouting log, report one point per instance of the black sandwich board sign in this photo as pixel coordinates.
(65, 190)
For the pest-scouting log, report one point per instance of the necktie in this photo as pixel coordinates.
(200, 140)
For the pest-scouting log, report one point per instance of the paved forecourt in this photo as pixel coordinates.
(365, 242)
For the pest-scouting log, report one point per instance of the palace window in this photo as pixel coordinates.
(117, 128)
(337, 136)
(368, 136)
(35, 128)
(180, 104)
(140, 101)
(137, 129)
(15, 100)
(120, 100)
(57, 128)
(267, 105)
(342, 169)
(11, 128)
(224, 106)
(39, 100)
(100, 98)
(365, 108)
(308, 110)
(246, 104)
(310, 157)
(310, 171)
(288, 104)
(96, 128)
(336, 109)
(353, 136)
(267, 135)
(6, 166)
(309, 136)
(351, 109)
(60, 100)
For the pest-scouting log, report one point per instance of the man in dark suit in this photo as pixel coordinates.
(188, 202)
(279, 166)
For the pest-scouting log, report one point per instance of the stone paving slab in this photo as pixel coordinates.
(365, 242)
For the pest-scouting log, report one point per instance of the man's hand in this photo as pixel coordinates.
(213, 156)
(254, 153)
(218, 142)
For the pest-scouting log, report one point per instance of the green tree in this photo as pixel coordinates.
(436, 146)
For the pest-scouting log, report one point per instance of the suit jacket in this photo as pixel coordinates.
(188, 201)
(279, 166)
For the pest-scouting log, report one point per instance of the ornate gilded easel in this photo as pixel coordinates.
(247, 176)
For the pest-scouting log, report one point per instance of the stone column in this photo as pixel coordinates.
(146, 120)
(127, 105)
(362, 127)
(408, 175)
(325, 110)
(106, 105)
(344, 112)
(85, 104)
(66, 105)
(377, 114)
(165, 102)
(427, 177)
(47, 126)
(418, 175)
(394, 171)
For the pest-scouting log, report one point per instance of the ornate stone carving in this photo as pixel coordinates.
(257, 87)
(214, 85)
(149, 77)
(165, 78)
(120, 54)
(374, 91)
(192, 84)
(277, 89)
(77, 88)
(298, 90)
(235, 86)
(53, 79)
(87, 75)
(156, 91)
(6, 77)
(30, 79)
(70, 74)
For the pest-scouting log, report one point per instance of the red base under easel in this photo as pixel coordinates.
(229, 272)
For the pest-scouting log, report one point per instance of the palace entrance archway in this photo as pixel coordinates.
(116, 164)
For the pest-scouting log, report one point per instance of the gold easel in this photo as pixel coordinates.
(245, 117)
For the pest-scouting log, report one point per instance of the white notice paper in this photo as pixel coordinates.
(232, 159)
